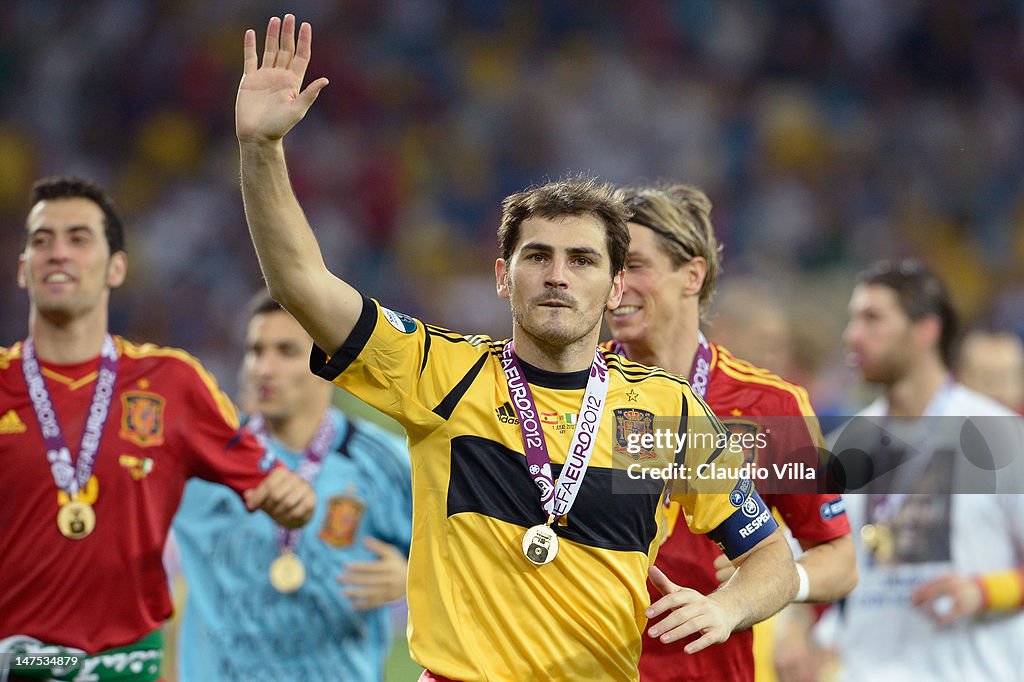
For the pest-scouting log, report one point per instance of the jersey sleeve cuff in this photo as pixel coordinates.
(330, 367)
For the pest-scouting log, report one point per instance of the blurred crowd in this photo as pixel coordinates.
(827, 134)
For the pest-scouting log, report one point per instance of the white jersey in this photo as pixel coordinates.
(880, 634)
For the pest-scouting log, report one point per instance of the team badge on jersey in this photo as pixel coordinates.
(344, 513)
(631, 424)
(741, 492)
(399, 321)
(747, 431)
(142, 418)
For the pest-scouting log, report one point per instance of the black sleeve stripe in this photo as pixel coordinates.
(451, 339)
(633, 369)
(684, 421)
(444, 333)
(644, 373)
(350, 350)
(715, 454)
(638, 377)
(426, 349)
(447, 406)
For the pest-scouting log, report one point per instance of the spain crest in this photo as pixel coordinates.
(344, 513)
(142, 418)
(743, 435)
(631, 424)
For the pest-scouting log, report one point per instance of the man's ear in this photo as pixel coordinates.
(22, 277)
(696, 271)
(615, 294)
(928, 331)
(501, 277)
(117, 269)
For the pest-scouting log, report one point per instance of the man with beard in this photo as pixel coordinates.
(530, 548)
(98, 436)
(941, 586)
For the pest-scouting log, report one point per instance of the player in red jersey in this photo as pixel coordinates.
(670, 278)
(97, 438)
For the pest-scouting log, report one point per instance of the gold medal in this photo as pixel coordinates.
(75, 520)
(878, 540)
(287, 573)
(540, 544)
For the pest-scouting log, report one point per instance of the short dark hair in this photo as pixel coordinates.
(262, 303)
(67, 187)
(920, 293)
(574, 196)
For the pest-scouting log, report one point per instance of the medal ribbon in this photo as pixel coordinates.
(308, 468)
(557, 498)
(71, 478)
(700, 372)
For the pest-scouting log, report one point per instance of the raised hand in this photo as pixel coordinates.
(270, 99)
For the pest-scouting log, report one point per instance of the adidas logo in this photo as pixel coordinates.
(506, 415)
(11, 423)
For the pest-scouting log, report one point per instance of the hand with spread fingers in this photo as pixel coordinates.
(270, 97)
(374, 583)
(688, 612)
(284, 496)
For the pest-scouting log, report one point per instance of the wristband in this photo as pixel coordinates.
(805, 583)
(1002, 590)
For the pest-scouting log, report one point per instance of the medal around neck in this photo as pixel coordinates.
(540, 544)
(287, 573)
(76, 520)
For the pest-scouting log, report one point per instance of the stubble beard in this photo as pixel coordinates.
(554, 335)
(887, 371)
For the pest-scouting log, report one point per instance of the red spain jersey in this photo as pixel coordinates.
(742, 395)
(168, 421)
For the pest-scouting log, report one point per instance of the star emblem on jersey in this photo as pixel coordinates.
(632, 396)
(11, 423)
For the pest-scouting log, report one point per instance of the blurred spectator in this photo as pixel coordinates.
(992, 363)
(830, 133)
(750, 321)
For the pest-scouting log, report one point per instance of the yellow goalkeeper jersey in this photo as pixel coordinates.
(478, 609)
